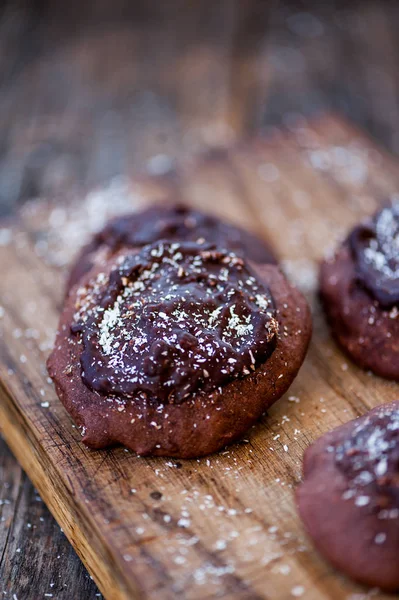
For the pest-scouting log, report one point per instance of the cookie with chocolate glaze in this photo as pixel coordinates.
(172, 222)
(359, 288)
(349, 499)
(177, 349)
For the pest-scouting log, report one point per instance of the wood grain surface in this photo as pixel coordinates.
(36, 557)
(90, 89)
(226, 525)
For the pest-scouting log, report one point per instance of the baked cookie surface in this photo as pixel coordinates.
(177, 349)
(359, 288)
(349, 500)
(172, 222)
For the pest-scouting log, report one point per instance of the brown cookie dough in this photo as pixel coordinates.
(172, 222)
(177, 349)
(349, 500)
(359, 288)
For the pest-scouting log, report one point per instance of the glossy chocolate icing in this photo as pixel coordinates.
(375, 248)
(178, 223)
(370, 460)
(173, 320)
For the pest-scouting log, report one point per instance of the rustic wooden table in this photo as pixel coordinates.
(91, 92)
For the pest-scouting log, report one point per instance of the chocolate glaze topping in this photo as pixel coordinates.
(375, 248)
(172, 321)
(370, 461)
(181, 223)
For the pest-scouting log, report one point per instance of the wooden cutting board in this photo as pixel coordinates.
(226, 525)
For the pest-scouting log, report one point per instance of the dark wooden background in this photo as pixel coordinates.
(93, 89)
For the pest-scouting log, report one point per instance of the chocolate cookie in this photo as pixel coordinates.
(359, 289)
(175, 223)
(177, 349)
(349, 500)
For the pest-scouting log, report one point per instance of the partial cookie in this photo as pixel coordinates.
(349, 500)
(175, 223)
(178, 349)
(359, 288)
